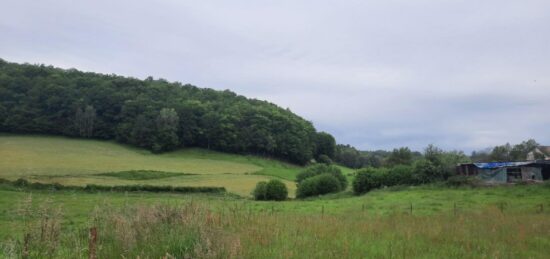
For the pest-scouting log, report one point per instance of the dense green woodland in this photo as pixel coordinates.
(154, 114)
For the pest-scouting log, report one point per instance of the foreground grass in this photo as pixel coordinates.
(79, 162)
(192, 229)
(425, 200)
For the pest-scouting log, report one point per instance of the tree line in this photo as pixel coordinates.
(351, 157)
(153, 113)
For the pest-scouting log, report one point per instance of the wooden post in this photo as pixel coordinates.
(322, 210)
(92, 244)
(26, 241)
(502, 206)
(411, 208)
(454, 206)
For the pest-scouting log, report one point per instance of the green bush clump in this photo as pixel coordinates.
(318, 169)
(318, 185)
(368, 179)
(273, 190)
(421, 171)
(324, 159)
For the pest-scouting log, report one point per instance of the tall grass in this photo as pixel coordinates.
(193, 230)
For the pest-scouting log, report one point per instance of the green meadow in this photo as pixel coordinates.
(429, 221)
(79, 162)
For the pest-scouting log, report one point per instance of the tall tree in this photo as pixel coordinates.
(501, 153)
(401, 156)
(326, 145)
(84, 120)
(166, 135)
(519, 152)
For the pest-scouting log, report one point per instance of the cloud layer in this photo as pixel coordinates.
(376, 74)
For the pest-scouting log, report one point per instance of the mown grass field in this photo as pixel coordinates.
(78, 162)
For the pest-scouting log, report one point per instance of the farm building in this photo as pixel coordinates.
(507, 172)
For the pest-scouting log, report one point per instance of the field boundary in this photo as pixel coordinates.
(25, 184)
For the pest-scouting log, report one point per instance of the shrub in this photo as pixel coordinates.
(318, 185)
(425, 171)
(324, 159)
(260, 192)
(272, 190)
(399, 175)
(318, 169)
(276, 190)
(367, 179)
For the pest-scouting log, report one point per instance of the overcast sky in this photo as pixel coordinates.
(376, 74)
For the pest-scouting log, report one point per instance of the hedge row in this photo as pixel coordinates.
(22, 183)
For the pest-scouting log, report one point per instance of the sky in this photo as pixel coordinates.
(462, 75)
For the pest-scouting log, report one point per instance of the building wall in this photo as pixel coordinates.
(531, 173)
(497, 175)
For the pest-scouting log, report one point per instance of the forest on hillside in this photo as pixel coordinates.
(151, 113)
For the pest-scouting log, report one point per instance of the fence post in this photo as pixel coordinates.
(501, 207)
(92, 244)
(541, 208)
(26, 241)
(411, 208)
(454, 208)
(322, 210)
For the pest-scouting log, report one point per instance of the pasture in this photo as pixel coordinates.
(429, 221)
(461, 222)
(79, 162)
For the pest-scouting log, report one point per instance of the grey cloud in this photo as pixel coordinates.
(381, 74)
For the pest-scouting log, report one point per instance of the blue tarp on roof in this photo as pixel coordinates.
(493, 165)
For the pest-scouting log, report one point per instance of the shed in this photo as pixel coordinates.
(506, 172)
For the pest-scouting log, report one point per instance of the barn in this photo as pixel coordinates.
(507, 172)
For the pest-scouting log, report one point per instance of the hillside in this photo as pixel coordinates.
(79, 162)
(153, 114)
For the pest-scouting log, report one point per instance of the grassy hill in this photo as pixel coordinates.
(79, 161)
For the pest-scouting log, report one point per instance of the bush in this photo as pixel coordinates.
(260, 192)
(324, 159)
(318, 185)
(425, 171)
(367, 179)
(272, 190)
(399, 175)
(318, 169)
